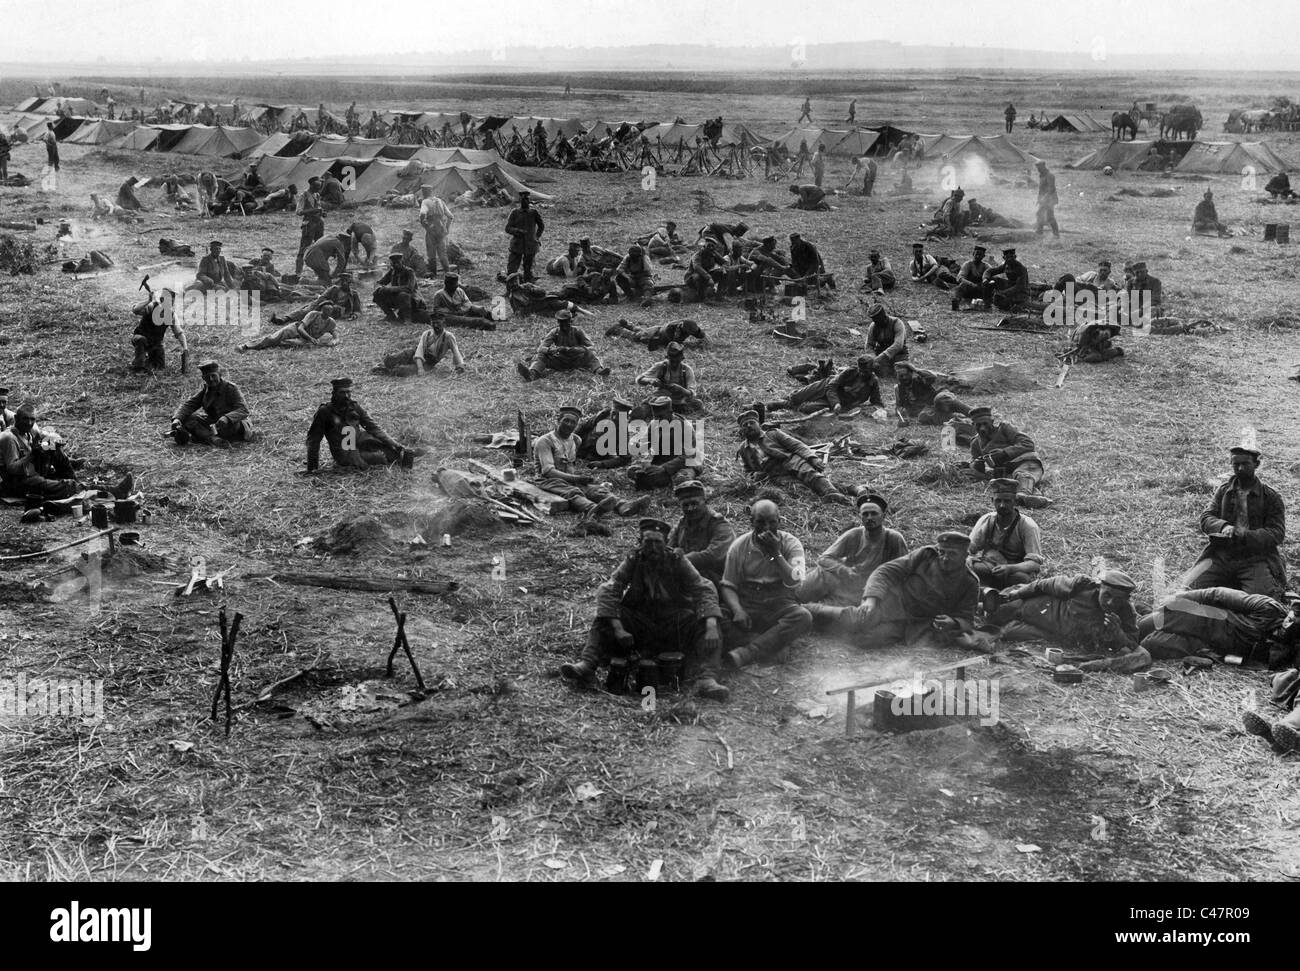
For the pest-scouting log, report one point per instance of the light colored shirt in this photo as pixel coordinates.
(1020, 542)
(1093, 278)
(458, 301)
(436, 215)
(16, 454)
(556, 454)
(433, 347)
(747, 564)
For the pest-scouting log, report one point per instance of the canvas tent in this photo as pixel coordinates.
(888, 137)
(218, 141)
(1077, 122)
(65, 127)
(33, 125)
(29, 104)
(1235, 158)
(334, 146)
(837, 141)
(994, 149)
(100, 132)
(286, 144)
(72, 106)
(139, 139)
(1133, 156)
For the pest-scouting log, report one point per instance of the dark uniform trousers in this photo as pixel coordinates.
(777, 619)
(654, 633)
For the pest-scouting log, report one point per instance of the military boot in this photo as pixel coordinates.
(583, 672)
(1286, 733)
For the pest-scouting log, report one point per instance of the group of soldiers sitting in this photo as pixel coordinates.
(724, 601)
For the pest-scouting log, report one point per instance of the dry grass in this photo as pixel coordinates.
(480, 782)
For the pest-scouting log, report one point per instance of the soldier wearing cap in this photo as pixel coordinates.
(655, 603)
(999, 450)
(1246, 526)
(843, 570)
(918, 398)
(670, 445)
(594, 433)
(362, 237)
(1005, 545)
(436, 217)
(852, 388)
(434, 344)
(1047, 201)
(656, 337)
(410, 256)
(806, 264)
(570, 265)
(32, 463)
(318, 329)
(312, 211)
(556, 455)
(215, 415)
(318, 255)
(886, 337)
(355, 439)
(1098, 279)
(675, 378)
(566, 348)
(1137, 278)
(6, 414)
(760, 584)
(1217, 621)
(970, 278)
(706, 273)
(702, 534)
(343, 295)
(524, 226)
(1006, 284)
(215, 272)
(811, 197)
(396, 291)
(880, 273)
(926, 598)
(1087, 615)
(1096, 342)
(452, 300)
(774, 455)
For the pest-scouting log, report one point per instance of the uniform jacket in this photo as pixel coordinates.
(1007, 447)
(1067, 607)
(1266, 516)
(223, 401)
(706, 544)
(632, 587)
(329, 424)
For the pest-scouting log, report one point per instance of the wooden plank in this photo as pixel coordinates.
(954, 666)
(548, 502)
(371, 583)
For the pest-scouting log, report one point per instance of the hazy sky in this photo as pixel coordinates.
(129, 30)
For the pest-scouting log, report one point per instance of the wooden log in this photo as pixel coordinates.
(548, 502)
(969, 662)
(372, 583)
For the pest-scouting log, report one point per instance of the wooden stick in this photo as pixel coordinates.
(956, 665)
(64, 546)
(851, 714)
(731, 762)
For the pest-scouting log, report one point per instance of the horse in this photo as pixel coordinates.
(1185, 119)
(1120, 122)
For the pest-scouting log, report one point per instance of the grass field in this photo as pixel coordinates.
(482, 780)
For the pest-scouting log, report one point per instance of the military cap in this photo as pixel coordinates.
(1009, 252)
(981, 249)
(1117, 579)
(871, 497)
(26, 411)
(951, 537)
(585, 241)
(660, 401)
(341, 383)
(873, 252)
(622, 404)
(741, 229)
(451, 276)
(918, 246)
(314, 179)
(675, 349)
(524, 193)
(215, 242)
(745, 416)
(207, 366)
(408, 232)
(795, 236)
(1105, 263)
(1254, 453)
(769, 239)
(564, 314)
(903, 366)
(983, 411)
(4, 392)
(690, 490)
(1139, 265)
(635, 250)
(999, 486)
(267, 249)
(875, 309)
(866, 361)
(569, 410)
(657, 525)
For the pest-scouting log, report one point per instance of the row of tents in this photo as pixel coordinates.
(1200, 158)
(448, 171)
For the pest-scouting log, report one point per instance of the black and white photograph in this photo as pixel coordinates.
(651, 441)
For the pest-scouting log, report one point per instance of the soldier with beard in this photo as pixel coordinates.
(656, 602)
(703, 534)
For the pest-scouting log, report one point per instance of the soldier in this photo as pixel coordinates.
(917, 397)
(319, 328)
(436, 218)
(556, 455)
(656, 602)
(215, 272)
(1218, 621)
(1088, 616)
(774, 456)
(1285, 732)
(702, 534)
(396, 291)
(157, 317)
(215, 415)
(1006, 284)
(970, 278)
(656, 337)
(453, 300)
(318, 255)
(1047, 200)
(1005, 545)
(675, 378)
(843, 570)
(32, 463)
(886, 338)
(434, 344)
(851, 388)
(926, 598)
(880, 272)
(1246, 526)
(355, 439)
(760, 584)
(313, 220)
(566, 348)
(524, 225)
(999, 450)
(406, 248)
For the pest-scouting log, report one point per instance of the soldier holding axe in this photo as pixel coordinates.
(157, 316)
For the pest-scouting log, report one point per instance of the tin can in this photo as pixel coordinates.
(99, 516)
(647, 674)
(1067, 674)
(671, 666)
(616, 679)
(1054, 656)
(124, 511)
